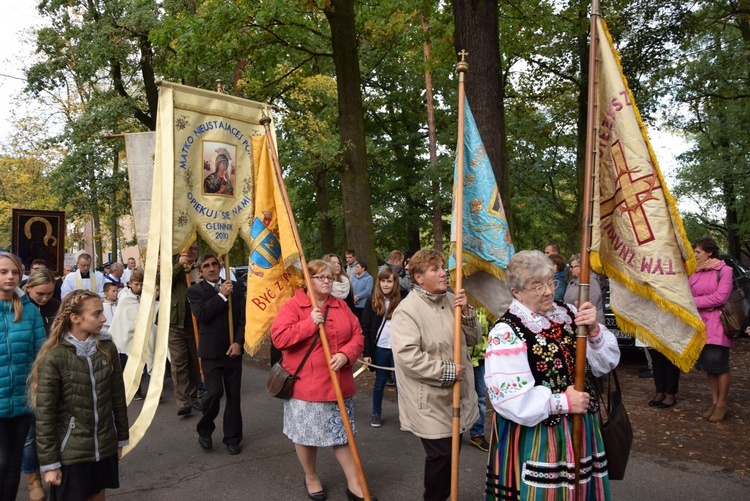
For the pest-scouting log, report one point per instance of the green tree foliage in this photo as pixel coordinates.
(545, 52)
(95, 66)
(714, 90)
(289, 45)
(99, 61)
(22, 186)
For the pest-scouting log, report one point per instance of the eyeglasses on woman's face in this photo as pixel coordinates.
(323, 278)
(542, 288)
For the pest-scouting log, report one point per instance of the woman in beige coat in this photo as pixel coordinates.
(422, 344)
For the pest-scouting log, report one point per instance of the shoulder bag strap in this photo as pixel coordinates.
(382, 324)
(312, 345)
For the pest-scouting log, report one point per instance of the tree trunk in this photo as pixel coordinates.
(113, 222)
(734, 245)
(476, 31)
(149, 82)
(97, 236)
(327, 240)
(355, 184)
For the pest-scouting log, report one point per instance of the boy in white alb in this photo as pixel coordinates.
(110, 303)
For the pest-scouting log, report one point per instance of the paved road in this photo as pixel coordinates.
(169, 464)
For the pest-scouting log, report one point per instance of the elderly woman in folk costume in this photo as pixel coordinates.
(530, 370)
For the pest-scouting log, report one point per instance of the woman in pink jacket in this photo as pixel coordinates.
(311, 416)
(711, 286)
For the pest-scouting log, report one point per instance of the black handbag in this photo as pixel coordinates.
(617, 432)
(280, 383)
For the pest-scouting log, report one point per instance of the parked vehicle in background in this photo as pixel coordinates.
(241, 273)
(624, 340)
(741, 282)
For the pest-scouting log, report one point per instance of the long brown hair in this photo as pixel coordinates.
(342, 272)
(72, 304)
(16, 301)
(378, 298)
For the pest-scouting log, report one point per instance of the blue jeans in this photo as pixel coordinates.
(30, 462)
(384, 358)
(481, 388)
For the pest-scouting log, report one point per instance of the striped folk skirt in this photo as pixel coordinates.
(536, 463)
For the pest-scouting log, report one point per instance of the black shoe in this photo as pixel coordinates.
(654, 402)
(315, 496)
(646, 373)
(138, 395)
(184, 411)
(375, 421)
(234, 449)
(480, 443)
(663, 405)
(351, 497)
(197, 405)
(206, 443)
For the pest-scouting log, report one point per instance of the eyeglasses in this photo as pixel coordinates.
(323, 278)
(540, 289)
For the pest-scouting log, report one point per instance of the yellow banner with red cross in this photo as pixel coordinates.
(638, 239)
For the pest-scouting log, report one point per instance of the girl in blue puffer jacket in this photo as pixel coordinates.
(21, 336)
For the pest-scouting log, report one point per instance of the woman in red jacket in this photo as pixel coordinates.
(311, 416)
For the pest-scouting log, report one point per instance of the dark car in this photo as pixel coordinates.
(626, 341)
(241, 273)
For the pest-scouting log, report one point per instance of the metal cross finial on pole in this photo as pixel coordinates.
(463, 55)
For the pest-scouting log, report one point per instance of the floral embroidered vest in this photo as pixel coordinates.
(551, 355)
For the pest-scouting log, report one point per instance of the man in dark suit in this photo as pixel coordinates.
(221, 359)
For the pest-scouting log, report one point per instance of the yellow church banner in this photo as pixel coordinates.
(274, 270)
(202, 182)
(638, 239)
(212, 136)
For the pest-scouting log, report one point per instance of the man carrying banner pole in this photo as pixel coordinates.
(265, 121)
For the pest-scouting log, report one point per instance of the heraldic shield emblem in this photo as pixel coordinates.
(265, 250)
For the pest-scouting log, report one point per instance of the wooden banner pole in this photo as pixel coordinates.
(585, 276)
(458, 204)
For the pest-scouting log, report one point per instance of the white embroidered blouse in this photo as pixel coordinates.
(510, 382)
